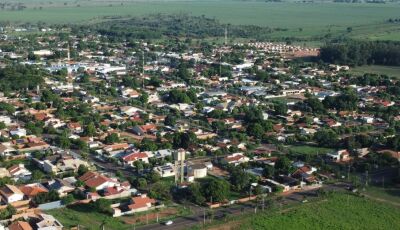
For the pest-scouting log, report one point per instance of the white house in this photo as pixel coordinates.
(10, 194)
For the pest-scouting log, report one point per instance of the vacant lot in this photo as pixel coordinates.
(339, 211)
(304, 20)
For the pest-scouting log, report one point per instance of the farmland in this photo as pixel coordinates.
(337, 211)
(301, 20)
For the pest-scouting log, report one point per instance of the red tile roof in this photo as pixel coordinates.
(20, 225)
(134, 157)
(141, 202)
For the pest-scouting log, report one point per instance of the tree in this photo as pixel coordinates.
(239, 179)
(112, 138)
(37, 175)
(67, 199)
(268, 171)
(90, 130)
(184, 140)
(326, 137)
(160, 191)
(282, 165)
(82, 169)
(102, 205)
(170, 120)
(256, 130)
(216, 190)
(196, 195)
(153, 177)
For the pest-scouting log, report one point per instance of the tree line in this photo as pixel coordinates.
(357, 53)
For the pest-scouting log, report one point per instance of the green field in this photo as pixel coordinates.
(309, 150)
(337, 211)
(314, 19)
(391, 71)
(87, 219)
(391, 194)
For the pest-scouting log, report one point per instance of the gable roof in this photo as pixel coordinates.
(20, 225)
(141, 202)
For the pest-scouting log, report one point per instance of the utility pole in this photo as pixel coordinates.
(204, 216)
(220, 64)
(263, 202)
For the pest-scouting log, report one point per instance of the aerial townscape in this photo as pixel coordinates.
(164, 119)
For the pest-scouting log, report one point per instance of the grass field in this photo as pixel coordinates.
(391, 194)
(314, 19)
(309, 150)
(87, 219)
(338, 211)
(391, 71)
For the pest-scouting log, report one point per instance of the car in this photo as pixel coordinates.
(170, 222)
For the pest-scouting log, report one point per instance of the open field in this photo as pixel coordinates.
(338, 211)
(302, 20)
(89, 220)
(391, 71)
(309, 150)
(391, 194)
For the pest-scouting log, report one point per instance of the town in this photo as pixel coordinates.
(98, 131)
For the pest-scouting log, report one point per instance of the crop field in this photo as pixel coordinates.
(303, 20)
(337, 211)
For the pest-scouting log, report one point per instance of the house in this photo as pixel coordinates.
(162, 153)
(135, 156)
(10, 194)
(137, 204)
(63, 164)
(130, 110)
(166, 170)
(19, 172)
(20, 132)
(32, 190)
(144, 129)
(141, 203)
(6, 149)
(340, 155)
(62, 186)
(97, 181)
(235, 159)
(75, 127)
(115, 148)
(48, 222)
(130, 93)
(20, 225)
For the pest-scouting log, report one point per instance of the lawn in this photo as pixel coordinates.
(391, 71)
(71, 217)
(297, 19)
(309, 150)
(338, 211)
